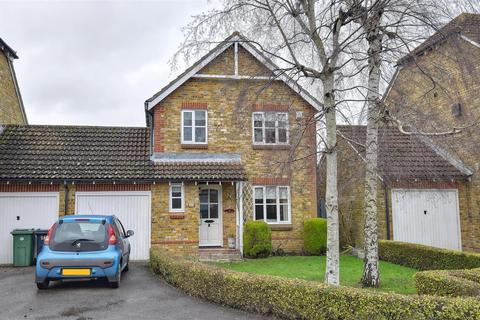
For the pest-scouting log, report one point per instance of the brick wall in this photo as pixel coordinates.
(424, 96)
(10, 110)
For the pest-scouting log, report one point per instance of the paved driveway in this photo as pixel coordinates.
(140, 296)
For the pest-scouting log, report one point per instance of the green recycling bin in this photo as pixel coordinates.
(22, 247)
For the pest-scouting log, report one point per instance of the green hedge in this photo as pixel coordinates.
(315, 236)
(257, 239)
(448, 282)
(426, 258)
(300, 299)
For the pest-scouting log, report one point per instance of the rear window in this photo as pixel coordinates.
(80, 236)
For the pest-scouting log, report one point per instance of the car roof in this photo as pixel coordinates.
(109, 218)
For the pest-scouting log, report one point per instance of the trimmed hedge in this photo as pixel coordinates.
(447, 283)
(426, 258)
(300, 299)
(257, 239)
(315, 236)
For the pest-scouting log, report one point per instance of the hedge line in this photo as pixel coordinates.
(426, 258)
(454, 283)
(299, 299)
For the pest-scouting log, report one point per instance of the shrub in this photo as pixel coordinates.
(257, 239)
(300, 299)
(448, 282)
(315, 236)
(426, 258)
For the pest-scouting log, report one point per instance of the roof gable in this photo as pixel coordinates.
(237, 43)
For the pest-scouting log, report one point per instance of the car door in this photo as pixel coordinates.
(124, 243)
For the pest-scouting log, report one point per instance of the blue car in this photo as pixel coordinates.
(83, 247)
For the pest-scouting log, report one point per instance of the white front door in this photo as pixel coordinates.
(133, 208)
(211, 224)
(427, 216)
(24, 210)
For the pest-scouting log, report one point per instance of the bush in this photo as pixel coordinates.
(448, 282)
(300, 299)
(315, 236)
(426, 258)
(257, 239)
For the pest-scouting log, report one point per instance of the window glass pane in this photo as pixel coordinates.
(282, 135)
(176, 191)
(271, 194)
(187, 133)
(258, 195)
(176, 203)
(259, 212)
(258, 135)
(213, 196)
(203, 196)
(271, 213)
(270, 119)
(282, 119)
(270, 135)
(187, 118)
(283, 194)
(200, 118)
(258, 120)
(283, 212)
(214, 211)
(204, 211)
(200, 134)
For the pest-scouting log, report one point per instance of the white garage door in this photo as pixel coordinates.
(133, 208)
(24, 210)
(429, 217)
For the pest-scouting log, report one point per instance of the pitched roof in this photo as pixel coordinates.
(95, 153)
(215, 52)
(404, 156)
(466, 24)
(7, 49)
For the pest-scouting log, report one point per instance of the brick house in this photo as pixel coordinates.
(11, 104)
(217, 150)
(429, 190)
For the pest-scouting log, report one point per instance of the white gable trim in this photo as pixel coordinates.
(236, 40)
(476, 44)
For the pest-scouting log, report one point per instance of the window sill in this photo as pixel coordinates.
(177, 215)
(194, 146)
(271, 147)
(281, 227)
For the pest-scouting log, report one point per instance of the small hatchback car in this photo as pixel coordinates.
(83, 247)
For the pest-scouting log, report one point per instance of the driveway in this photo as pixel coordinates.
(140, 296)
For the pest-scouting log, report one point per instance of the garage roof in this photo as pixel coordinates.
(78, 153)
(405, 156)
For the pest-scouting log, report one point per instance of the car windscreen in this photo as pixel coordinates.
(80, 236)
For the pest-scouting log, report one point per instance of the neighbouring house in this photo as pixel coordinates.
(429, 189)
(11, 104)
(218, 149)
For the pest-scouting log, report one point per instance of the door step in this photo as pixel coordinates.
(219, 255)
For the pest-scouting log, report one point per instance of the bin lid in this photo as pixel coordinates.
(41, 231)
(22, 231)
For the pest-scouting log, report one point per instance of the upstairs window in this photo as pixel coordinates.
(270, 128)
(272, 204)
(194, 126)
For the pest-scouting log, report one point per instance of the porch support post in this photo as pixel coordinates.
(240, 216)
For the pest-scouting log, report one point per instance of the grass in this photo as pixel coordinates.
(393, 278)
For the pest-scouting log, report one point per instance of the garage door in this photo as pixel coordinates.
(21, 210)
(133, 208)
(429, 217)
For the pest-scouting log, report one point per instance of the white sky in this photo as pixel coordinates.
(91, 62)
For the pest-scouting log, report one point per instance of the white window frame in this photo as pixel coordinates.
(182, 197)
(264, 143)
(194, 126)
(277, 203)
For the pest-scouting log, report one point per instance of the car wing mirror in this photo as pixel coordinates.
(130, 233)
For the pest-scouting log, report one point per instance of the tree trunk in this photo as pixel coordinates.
(371, 272)
(332, 274)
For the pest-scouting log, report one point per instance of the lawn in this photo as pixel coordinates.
(393, 278)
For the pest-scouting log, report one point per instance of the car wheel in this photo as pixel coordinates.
(127, 267)
(43, 285)
(116, 284)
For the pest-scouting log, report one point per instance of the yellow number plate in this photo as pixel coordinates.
(76, 272)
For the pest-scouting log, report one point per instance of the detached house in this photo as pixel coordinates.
(428, 184)
(219, 148)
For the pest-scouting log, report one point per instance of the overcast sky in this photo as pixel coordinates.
(93, 63)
